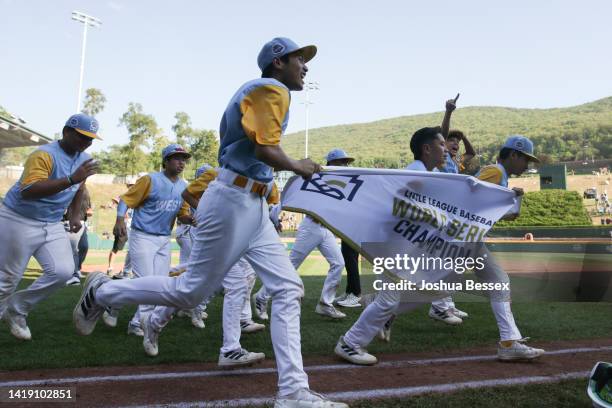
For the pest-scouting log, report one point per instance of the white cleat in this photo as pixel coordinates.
(239, 358)
(110, 319)
(329, 311)
(459, 313)
(74, 281)
(260, 308)
(17, 325)
(305, 398)
(249, 326)
(150, 336)
(445, 316)
(355, 355)
(517, 351)
(196, 320)
(86, 312)
(350, 300)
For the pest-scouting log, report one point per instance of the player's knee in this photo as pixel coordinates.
(63, 270)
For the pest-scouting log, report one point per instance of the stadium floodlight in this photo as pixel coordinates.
(87, 21)
(308, 86)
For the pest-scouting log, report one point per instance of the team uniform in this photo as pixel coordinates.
(33, 227)
(156, 201)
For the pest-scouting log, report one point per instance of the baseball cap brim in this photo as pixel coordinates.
(89, 134)
(531, 157)
(175, 153)
(308, 52)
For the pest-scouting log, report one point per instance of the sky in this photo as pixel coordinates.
(376, 60)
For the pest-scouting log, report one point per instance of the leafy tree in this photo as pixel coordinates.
(143, 131)
(202, 144)
(94, 102)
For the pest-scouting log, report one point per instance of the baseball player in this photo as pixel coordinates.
(31, 220)
(232, 222)
(445, 309)
(75, 237)
(156, 200)
(119, 243)
(429, 150)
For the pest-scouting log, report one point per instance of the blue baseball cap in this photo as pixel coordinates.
(202, 169)
(172, 149)
(521, 144)
(339, 154)
(84, 124)
(281, 46)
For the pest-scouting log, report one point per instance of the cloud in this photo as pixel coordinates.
(115, 6)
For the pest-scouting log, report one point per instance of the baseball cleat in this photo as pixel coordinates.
(306, 398)
(150, 336)
(355, 355)
(134, 330)
(249, 326)
(260, 308)
(17, 325)
(86, 312)
(110, 319)
(349, 300)
(445, 316)
(204, 315)
(517, 350)
(329, 311)
(239, 358)
(459, 313)
(74, 281)
(196, 320)
(183, 313)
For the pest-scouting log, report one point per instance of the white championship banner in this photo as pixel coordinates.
(401, 213)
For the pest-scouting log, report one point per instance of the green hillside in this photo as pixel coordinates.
(559, 134)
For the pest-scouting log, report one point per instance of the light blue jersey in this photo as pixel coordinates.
(47, 162)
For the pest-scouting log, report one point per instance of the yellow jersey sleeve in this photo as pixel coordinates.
(263, 112)
(274, 196)
(197, 187)
(185, 209)
(491, 174)
(138, 193)
(38, 166)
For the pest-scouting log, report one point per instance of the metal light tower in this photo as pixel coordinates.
(88, 21)
(308, 86)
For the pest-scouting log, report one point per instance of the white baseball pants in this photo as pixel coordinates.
(231, 223)
(149, 256)
(236, 287)
(20, 239)
(311, 235)
(74, 238)
(183, 239)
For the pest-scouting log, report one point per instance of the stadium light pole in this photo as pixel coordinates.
(87, 21)
(308, 86)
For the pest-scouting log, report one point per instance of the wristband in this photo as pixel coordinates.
(70, 180)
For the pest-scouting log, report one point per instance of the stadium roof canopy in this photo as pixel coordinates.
(15, 134)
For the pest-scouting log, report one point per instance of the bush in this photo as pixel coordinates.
(551, 208)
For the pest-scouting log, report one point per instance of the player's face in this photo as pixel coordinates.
(518, 163)
(452, 145)
(294, 72)
(176, 163)
(78, 141)
(438, 150)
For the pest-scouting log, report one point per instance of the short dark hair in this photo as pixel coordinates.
(421, 137)
(505, 152)
(269, 70)
(455, 134)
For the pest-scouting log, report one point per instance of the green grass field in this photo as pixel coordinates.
(56, 345)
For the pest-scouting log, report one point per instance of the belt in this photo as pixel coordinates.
(258, 188)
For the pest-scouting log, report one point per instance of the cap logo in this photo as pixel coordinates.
(519, 144)
(94, 126)
(278, 48)
(74, 122)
